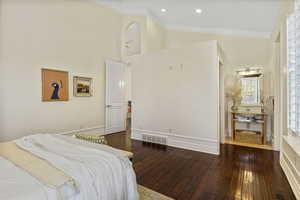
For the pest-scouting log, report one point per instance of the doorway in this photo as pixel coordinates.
(222, 111)
(249, 109)
(115, 104)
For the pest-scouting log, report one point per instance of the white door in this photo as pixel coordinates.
(115, 97)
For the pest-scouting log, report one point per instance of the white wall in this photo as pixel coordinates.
(175, 93)
(153, 37)
(278, 69)
(75, 36)
(286, 143)
(239, 51)
(156, 39)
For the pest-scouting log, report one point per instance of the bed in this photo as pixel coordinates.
(56, 167)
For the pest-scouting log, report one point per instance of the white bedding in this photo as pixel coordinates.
(100, 172)
(16, 184)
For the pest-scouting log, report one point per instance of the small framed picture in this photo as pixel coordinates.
(82, 86)
(55, 85)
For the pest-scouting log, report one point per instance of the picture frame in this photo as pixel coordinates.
(82, 86)
(55, 85)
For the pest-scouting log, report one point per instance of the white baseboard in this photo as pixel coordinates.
(184, 142)
(290, 174)
(114, 130)
(96, 129)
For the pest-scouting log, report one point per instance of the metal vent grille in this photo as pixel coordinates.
(154, 139)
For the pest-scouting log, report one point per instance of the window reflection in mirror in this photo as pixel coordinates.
(251, 81)
(250, 90)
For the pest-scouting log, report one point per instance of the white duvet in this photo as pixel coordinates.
(16, 184)
(100, 172)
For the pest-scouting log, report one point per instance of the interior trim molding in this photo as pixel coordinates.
(290, 174)
(85, 130)
(113, 130)
(220, 31)
(180, 141)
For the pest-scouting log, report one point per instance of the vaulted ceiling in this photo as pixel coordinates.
(257, 17)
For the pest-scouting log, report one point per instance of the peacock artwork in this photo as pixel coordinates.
(55, 85)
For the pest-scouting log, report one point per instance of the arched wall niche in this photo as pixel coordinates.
(132, 39)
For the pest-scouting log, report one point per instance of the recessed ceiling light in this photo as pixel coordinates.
(163, 10)
(198, 11)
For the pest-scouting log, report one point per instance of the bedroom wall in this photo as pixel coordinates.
(156, 35)
(153, 36)
(239, 50)
(74, 36)
(175, 94)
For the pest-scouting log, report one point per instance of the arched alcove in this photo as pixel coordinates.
(132, 39)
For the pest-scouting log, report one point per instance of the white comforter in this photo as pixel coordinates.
(100, 172)
(16, 184)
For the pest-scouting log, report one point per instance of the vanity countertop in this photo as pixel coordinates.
(248, 113)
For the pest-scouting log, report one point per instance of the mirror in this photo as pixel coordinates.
(251, 81)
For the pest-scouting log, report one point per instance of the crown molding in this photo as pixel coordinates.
(218, 31)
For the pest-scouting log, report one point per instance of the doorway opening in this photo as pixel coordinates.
(222, 111)
(118, 109)
(128, 116)
(249, 109)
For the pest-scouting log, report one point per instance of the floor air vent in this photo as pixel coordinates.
(154, 139)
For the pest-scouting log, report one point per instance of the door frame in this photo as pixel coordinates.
(106, 129)
(221, 109)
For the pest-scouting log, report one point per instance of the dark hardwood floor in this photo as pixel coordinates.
(238, 173)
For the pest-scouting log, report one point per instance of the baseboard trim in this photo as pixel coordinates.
(290, 175)
(183, 142)
(95, 129)
(113, 130)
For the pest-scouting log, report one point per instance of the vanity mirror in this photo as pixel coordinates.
(252, 84)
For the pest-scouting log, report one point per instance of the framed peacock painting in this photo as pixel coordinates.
(55, 85)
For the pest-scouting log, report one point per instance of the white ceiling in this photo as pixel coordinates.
(252, 17)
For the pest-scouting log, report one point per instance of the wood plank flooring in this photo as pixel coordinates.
(239, 173)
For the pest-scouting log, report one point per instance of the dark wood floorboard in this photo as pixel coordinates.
(238, 173)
